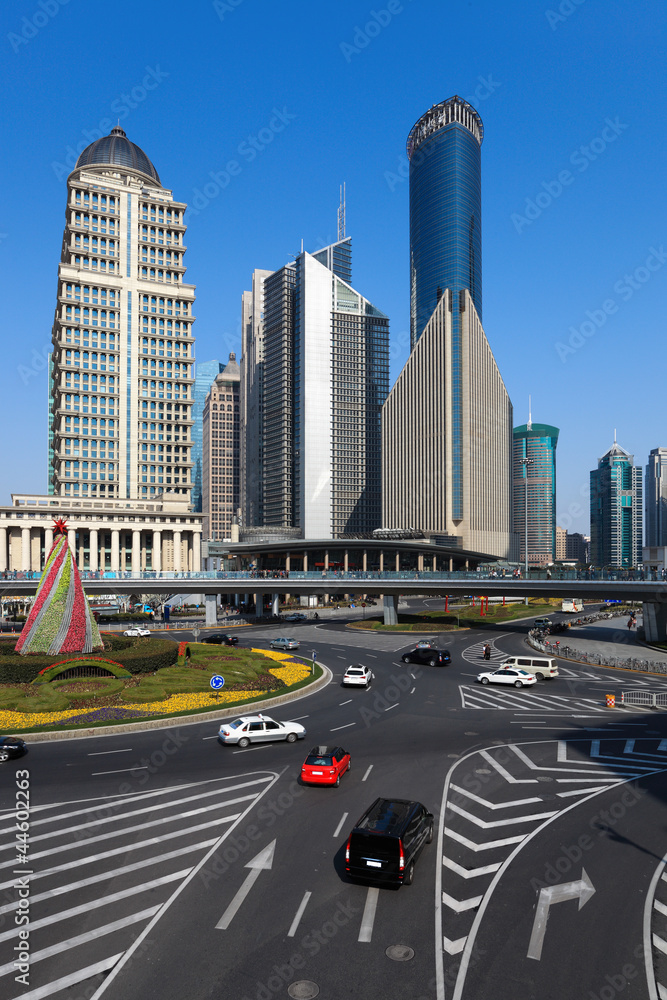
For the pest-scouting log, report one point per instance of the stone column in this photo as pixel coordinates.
(71, 541)
(48, 542)
(420, 562)
(326, 560)
(157, 551)
(196, 552)
(382, 560)
(305, 562)
(93, 561)
(177, 552)
(3, 550)
(275, 604)
(259, 605)
(364, 561)
(136, 552)
(398, 562)
(115, 550)
(655, 621)
(390, 604)
(211, 609)
(345, 560)
(25, 549)
(287, 563)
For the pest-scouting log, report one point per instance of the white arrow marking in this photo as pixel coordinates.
(262, 862)
(453, 947)
(464, 872)
(488, 845)
(582, 890)
(492, 805)
(460, 905)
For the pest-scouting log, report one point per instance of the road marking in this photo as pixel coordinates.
(470, 872)
(264, 746)
(125, 770)
(210, 737)
(488, 845)
(660, 907)
(76, 977)
(101, 753)
(368, 771)
(505, 773)
(342, 727)
(660, 943)
(579, 791)
(261, 862)
(299, 913)
(494, 805)
(368, 918)
(390, 707)
(489, 824)
(461, 905)
(372, 656)
(348, 702)
(453, 947)
(299, 718)
(340, 825)
(342, 657)
(582, 889)
(413, 690)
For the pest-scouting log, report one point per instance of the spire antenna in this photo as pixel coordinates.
(341, 213)
(530, 416)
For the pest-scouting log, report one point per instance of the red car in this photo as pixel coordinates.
(324, 766)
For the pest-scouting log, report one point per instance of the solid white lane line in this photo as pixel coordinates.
(102, 753)
(299, 913)
(412, 691)
(93, 935)
(75, 911)
(299, 718)
(579, 791)
(368, 771)
(263, 746)
(124, 770)
(340, 825)
(372, 656)
(348, 702)
(390, 707)
(79, 976)
(368, 918)
(342, 727)
(210, 737)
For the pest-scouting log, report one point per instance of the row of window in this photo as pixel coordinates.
(179, 370)
(92, 383)
(96, 223)
(81, 470)
(90, 404)
(153, 303)
(107, 427)
(151, 274)
(93, 361)
(71, 447)
(178, 389)
(94, 338)
(92, 317)
(170, 328)
(159, 236)
(96, 244)
(152, 256)
(95, 264)
(157, 213)
(161, 347)
(91, 293)
(102, 202)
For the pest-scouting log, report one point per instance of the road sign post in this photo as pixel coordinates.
(217, 683)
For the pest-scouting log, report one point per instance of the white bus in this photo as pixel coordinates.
(572, 604)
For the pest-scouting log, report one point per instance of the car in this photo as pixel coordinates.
(11, 746)
(387, 840)
(324, 766)
(136, 631)
(426, 644)
(357, 675)
(284, 643)
(428, 654)
(544, 667)
(222, 639)
(542, 623)
(296, 616)
(259, 729)
(508, 675)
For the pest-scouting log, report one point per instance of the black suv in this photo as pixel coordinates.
(427, 654)
(222, 639)
(387, 840)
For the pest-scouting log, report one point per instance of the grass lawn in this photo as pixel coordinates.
(464, 617)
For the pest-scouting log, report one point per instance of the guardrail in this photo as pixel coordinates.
(650, 699)
(597, 659)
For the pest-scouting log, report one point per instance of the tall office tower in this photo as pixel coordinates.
(577, 547)
(122, 335)
(278, 394)
(252, 374)
(616, 511)
(534, 491)
(447, 423)
(561, 543)
(656, 497)
(221, 489)
(205, 373)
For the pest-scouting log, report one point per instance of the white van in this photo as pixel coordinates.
(544, 667)
(572, 604)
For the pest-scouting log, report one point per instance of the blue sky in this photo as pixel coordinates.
(572, 95)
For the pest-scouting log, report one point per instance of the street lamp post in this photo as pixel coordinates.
(525, 462)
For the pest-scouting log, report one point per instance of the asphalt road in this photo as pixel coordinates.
(166, 865)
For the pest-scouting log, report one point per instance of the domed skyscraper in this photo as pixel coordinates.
(123, 350)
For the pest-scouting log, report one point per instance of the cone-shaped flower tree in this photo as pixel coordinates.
(60, 620)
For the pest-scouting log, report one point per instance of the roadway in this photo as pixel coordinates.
(168, 865)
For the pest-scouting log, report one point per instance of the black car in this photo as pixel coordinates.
(427, 654)
(11, 746)
(387, 840)
(222, 639)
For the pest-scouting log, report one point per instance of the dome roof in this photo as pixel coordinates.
(117, 149)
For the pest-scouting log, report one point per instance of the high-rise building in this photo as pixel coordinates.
(561, 543)
(534, 491)
(656, 497)
(447, 423)
(577, 546)
(616, 511)
(205, 373)
(221, 489)
(123, 350)
(252, 409)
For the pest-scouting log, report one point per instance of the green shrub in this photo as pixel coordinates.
(125, 616)
(62, 667)
(138, 656)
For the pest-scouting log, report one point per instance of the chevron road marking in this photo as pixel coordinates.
(493, 805)
(473, 846)
(490, 824)
(505, 773)
(461, 905)
(537, 767)
(454, 947)
(469, 872)
(581, 791)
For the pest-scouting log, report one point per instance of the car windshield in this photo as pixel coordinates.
(355, 670)
(236, 724)
(318, 760)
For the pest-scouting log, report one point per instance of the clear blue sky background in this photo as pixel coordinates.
(545, 84)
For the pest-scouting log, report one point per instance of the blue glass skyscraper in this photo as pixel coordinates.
(205, 373)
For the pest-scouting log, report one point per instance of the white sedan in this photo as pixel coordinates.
(519, 678)
(357, 675)
(136, 631)
(259, 729)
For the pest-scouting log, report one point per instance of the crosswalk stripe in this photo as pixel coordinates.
(73, 979)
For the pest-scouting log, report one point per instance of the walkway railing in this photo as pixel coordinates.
(599, 659)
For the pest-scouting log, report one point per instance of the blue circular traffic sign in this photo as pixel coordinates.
(217, 682)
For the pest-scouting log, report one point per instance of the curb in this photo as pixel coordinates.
(184, 720)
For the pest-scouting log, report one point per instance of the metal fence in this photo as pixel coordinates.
(598, 660)
(645, 699)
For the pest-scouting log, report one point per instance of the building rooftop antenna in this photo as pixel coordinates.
(530, 416)
(341, 213)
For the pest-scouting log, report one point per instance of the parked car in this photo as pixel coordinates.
(357, 675)
(325, 765)
(259, 729)
(387, 841)
(427, 654)
(222, 639)
(11, 746)
(519, 678)
(296, 616)
(544, 667)
(284, 643)
(136, 631)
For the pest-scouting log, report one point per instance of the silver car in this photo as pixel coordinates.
(259, 729)
(284, 644)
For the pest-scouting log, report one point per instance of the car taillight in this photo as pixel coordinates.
(401, 856)
(347, 850)
(332, 770)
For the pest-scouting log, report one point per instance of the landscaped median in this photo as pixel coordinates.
(463, 617)
(59, 697)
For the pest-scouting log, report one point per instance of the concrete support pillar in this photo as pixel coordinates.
(390, 605)
(157, 551)
(211, 609)
(345, 561)
(3, 550)
(451, 565)
(93, 561)
(435, 563)
(655, 621)
(381, 561)
(398, 562)
(196, 552)
(25, 549)
(364, 561)
(420, 562)
(275, 604)
(177, 552)
(115, 550)
(259, 605)
(136, 552)
(305, 562)
(326, 559)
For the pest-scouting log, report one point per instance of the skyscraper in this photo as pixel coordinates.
(534, 491)
(616, 511)
(221, 489)
(122, 335)
(656, 497)
(205, 373)
(252, 408)
(447, 423)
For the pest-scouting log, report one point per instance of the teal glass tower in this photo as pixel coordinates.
(616, 511)
(534, 491)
